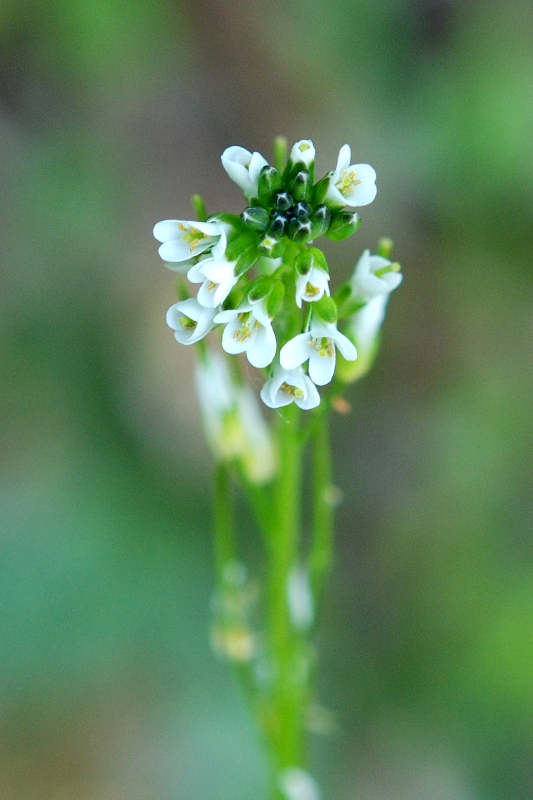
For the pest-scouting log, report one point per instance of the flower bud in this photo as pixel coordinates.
(299, 231)
(269, 184)
(255, 218)
(320, 221)
(283, 201)
(342, 225)
(303, 152)
(302, 211)
(278, 225)
(301, 187)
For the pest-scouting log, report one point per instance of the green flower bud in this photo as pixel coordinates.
(320, 221)
(255, 218)
(269, 184)
(299, 231)
(301, 187)
(302, 211)
(326, 309)
(309, 258)
(342, 225)
(278, 225)
(283, 201)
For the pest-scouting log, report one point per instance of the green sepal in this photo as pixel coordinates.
(342, 294)
(311, 257)
(301, 187)
(273, 248)
(320, 189)
(320, 221)
(268, 185)
(326, 309)
(274, 299)
(260, 288)
(233, 220)
(246, 260)
(240, 243)
(299, 231)
(255, 218)
(235, 297)
(342, 225)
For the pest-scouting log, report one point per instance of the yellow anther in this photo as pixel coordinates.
(347, 181)
(324, 347)
(293, 391)
(211, 285)
(311, 291)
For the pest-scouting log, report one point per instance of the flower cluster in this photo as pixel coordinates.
(261, 279)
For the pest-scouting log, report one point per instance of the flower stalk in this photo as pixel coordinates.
(265, 307)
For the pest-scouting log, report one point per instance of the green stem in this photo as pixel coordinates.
(321, 554)
(225, 547)
(289, 686)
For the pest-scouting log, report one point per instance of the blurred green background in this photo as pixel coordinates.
(112, 114)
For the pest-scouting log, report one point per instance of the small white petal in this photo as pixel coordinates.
(296, 351)
(232, 342)
(346, 347)
(312, 397)
(177, 250)
(263, 348)
(303, 152)
(321, 368)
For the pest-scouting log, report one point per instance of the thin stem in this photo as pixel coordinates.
(290, 685)
(225, 547)
(321, 554)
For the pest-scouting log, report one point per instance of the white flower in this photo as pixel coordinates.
(190, 321)
(317, 345)
(374, 275)
(351, 184)
(303, 152)
(249, 330)
(243, 167)
(297, 784)
(287, 386)
(311, 286)
(217, 276)
(232, 420)
(183, 240)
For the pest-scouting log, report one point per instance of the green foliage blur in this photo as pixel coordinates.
(111, 115)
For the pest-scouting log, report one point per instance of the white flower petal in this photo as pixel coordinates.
(321, 368)
(177, 250)
(295, 352)
(346, 347)
(303, 152)
(185, 308)
(263, 348)
(312, 397)
(231, 339)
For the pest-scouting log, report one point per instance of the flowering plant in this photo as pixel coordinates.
(266, 286)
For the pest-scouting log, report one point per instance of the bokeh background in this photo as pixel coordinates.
(112, 114)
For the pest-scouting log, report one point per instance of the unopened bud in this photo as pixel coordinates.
(283, 201)
(320, 221)
(278, 225)
(326, 309)
(302, 211)
(342, 225)
(299, 231)
(320, 189)
(269, 184)
(255, 218)
(309, 258)
(301, 187)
